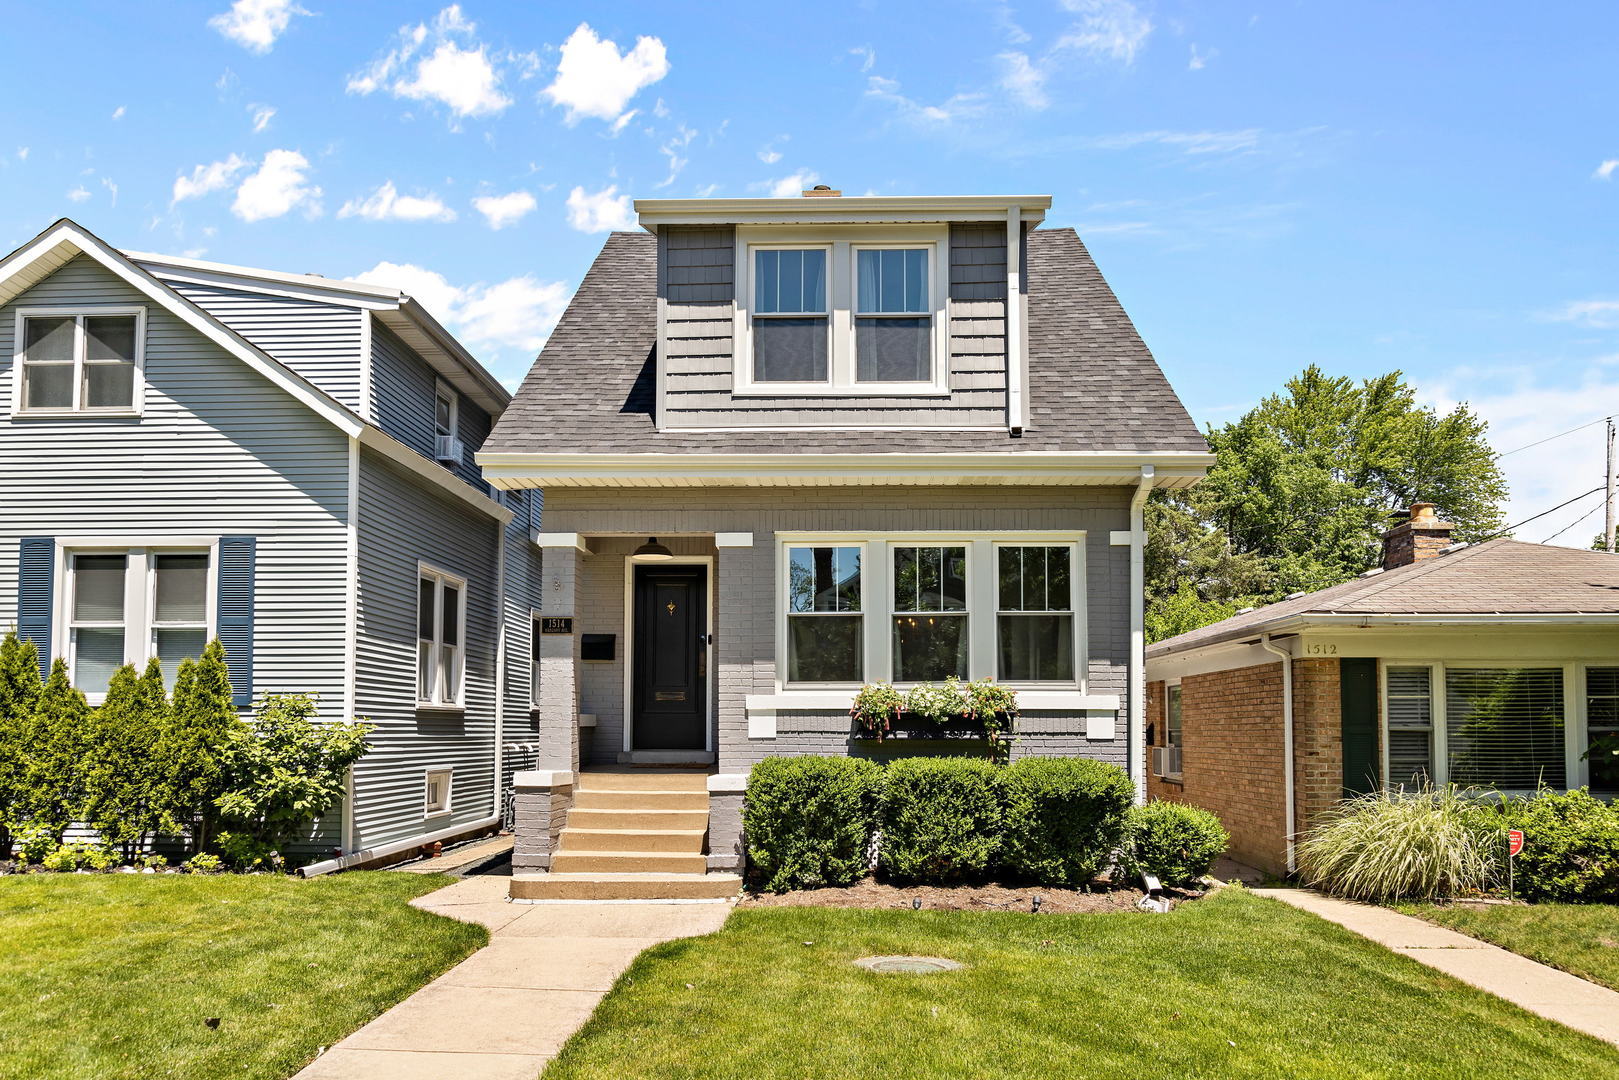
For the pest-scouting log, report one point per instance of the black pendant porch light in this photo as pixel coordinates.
(652, 551)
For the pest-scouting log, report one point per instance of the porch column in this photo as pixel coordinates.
(558, 705)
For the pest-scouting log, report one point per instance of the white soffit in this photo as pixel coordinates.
(850, 209)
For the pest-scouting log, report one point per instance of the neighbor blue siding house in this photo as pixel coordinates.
(284, 461)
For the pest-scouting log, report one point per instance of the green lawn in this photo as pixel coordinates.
(113, 976)
(1233, 986)
(1582, 939)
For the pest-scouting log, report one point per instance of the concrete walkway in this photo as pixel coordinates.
(506, 1010)
(1554, 994)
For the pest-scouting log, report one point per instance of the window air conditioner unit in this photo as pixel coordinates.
(1166, 761)
(448, 448)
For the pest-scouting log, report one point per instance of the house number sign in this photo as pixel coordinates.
(556, 624)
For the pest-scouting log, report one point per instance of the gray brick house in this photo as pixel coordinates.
(790, 446)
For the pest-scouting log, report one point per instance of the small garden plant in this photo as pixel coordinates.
(982, 706)
(1392, 845)
(1176, 843)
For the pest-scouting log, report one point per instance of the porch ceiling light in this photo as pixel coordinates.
(652, 551)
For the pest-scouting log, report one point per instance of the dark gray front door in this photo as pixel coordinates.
(671, 658)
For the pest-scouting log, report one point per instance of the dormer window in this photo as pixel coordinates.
(853, 310)
(78, 362)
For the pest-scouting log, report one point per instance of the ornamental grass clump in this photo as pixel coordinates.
(1393, 845)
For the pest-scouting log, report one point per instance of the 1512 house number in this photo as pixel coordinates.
(1320, 648)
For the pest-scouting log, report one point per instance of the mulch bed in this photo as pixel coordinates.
(993, 896)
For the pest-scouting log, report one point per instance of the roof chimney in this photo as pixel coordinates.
(1421, 536)
(821, 191)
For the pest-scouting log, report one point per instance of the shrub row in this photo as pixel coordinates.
(812, 821)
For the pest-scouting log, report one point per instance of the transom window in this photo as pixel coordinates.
(825, 627)
(1034, 622)
(128, 606)
(79, 362)
(440, 624)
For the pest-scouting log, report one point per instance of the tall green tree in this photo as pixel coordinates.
(201, 721)
(1304, 486)
(53, 750)
(19, 691)
(122, 769)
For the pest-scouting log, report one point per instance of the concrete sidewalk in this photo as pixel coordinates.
(506, 1010)
(1554, 994)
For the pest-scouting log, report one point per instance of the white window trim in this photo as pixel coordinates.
(1076, 561)
(448, 772)
(79, 313)
(982, 599)
(841, 244)
(1576, 773)
(442, 389)
(139, 597)
(443, 579)
(1174, 684)
(788, 615)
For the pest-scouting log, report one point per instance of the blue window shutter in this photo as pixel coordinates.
(36, 574)
(235, 613)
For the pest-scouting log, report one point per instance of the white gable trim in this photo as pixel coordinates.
(64, 240)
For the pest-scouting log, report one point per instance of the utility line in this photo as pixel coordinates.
(1542, 514)
(1549, 438)
(1573, 523)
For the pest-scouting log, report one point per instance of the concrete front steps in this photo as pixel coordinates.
(632, 834)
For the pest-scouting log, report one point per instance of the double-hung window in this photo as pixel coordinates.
(1035, 616)
(1602, 721)
(893, 316)
(1172, 716)
(1477, 726)
(825, 627)
(1410, 726)
(128, 606)
(79, 361)
(440, 625)
(790, 315)
(931, 623)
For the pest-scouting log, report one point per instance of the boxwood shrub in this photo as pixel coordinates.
(1064, 818)
(807, 821)
(1570, 849)
(941, 818)
(1174, 842)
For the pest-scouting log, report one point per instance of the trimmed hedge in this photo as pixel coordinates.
(941, 818)
(1570, 847)
(1064, 818)
(1174, 842)
(808, 820)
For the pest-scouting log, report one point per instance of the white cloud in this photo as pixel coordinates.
(1190, 142)
(1598, 314)
(279, 186)
(1200, 60)
(78, 194)
(1111, 28)
(118, 113)
(262, 115)
(791, 186)
(672, 150)
(386, 204)
(957, 107)
(769, 155)
(207, 178)
(601, 211)
(112, 189)
(503, 210)
(595, 79)
(22, 153)
(868, 57)
(459, 71)
(1024, 80)
(1605, 170)
(517, 313)
(255, 24)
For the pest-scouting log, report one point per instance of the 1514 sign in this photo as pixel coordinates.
(556, 624)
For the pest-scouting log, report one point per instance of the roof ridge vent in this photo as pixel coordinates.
(1245, 610)
(1373, 572)
(1295, 595)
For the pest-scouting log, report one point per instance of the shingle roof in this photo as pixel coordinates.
(1498, 577)
(1092, 383)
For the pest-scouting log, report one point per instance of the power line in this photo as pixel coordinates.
(1542, 514)
(1549, 438)
(1573, 523)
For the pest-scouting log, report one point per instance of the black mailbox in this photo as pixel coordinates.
(596, 646)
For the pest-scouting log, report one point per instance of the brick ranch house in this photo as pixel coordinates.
(1489, 665)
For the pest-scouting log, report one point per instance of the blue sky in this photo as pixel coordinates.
(1367, 186)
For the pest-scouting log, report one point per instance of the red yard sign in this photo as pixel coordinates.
(1514, 841)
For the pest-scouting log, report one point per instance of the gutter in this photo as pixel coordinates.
(360, 858)
(1287, 744)
(1136, 721)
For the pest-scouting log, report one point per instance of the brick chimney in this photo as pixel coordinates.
(1421, 536)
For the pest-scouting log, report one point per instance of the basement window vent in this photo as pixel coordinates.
(436, 797)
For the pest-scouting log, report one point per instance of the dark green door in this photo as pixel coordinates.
(1357, 689)
(671, 668)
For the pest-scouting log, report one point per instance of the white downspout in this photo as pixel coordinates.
(500, 660)
(1287, 740)
(1014, 319)
(1136, 723)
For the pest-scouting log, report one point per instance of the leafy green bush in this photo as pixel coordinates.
(19, 689)
(34, 842)
(151, 861)
(808, 821)
(64, 859)
(202, 720)
(1174, 842)
(941, 818)
(1390, 845)
(1570, 847)
(78, 855)
(53, 750)
(123, 774)
(244, 851)
(203, 863)
(1064, 817)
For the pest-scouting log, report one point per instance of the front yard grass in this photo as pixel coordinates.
(1231, 986)
(1581, 939)
(115, 976)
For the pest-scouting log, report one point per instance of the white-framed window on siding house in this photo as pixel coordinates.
(79, 361)
(440, 633)
(444, 411)
(1034, 621)
(790, 328)
(130, 605)
(825, 624)
(1602, 722)
(893, 315)
(436, 791)
(932, 625)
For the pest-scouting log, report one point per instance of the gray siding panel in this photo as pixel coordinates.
(321, 342)
(403, 523)
(404, 388)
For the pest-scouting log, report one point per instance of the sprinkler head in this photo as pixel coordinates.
(916, 903)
